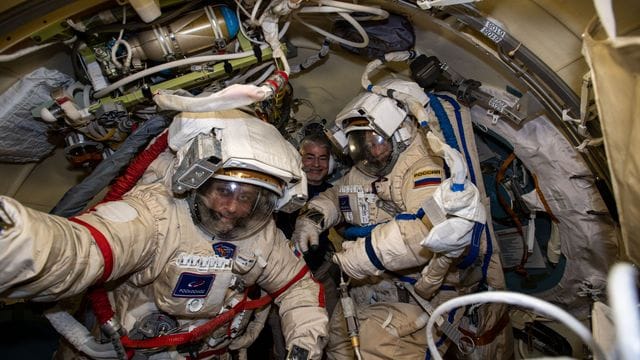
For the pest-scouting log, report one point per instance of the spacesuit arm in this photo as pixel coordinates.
(327, 204)
(46, 257)
(396, 244)
(299, 297)
(319, 214)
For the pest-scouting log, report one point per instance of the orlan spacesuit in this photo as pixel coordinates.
(397, 196)
(173, 263)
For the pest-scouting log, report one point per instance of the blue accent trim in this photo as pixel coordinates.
(404, 216)
(475, 247)
(472, 177)
(447, 288)
(233, 26)
(403, 278)
(369, 87)
(457, 187)
(420, 213)
(441, 340)
(372, 254)
(456, 106)
(443, 119)
(424, 123)
(487, 255)
(353, 232)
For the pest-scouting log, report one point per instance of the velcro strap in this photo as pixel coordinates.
(103, 245)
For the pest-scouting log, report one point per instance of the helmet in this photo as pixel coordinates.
(374, 129)
(238, 170)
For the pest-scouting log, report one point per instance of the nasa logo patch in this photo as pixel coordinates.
(193, 285)
(224, 249)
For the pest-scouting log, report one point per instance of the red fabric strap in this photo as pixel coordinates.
(295, 279)
(103, 245)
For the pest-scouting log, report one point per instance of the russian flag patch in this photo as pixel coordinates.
(427, 177)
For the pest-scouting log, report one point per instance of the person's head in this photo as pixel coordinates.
(316, 157)
(377, 128)
(235, 171)
(235, 203)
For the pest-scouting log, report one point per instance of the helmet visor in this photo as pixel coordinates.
(371, 152)
(232, 210)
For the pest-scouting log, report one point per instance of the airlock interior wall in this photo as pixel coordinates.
(615, 64)
(587, 237)
(38, 184)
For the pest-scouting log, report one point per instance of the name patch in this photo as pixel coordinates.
(193, 285)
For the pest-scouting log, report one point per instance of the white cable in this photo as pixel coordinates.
(254, 12)
(363, 34)
(171, 65)
(512, 298)
(264, 75)
(26, 51)
(239, 6)
(240, 79)
(114, 50)
(623, 296)
(382, 14)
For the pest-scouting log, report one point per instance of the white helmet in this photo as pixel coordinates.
(239, 170)
(372, 121)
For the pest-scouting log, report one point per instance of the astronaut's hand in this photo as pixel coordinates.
(307, 232)
(353, 260)
(432, 276)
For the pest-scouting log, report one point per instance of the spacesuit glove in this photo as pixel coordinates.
(252, 331)
(306, 234)
(354, 261)
(432, 276)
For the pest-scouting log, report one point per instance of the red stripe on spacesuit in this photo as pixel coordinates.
(321, 296)
(103, 245)
(295, 279)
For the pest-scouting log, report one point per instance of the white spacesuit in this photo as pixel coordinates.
(174, 263)
(386, 195)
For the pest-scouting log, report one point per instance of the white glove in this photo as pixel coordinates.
(450, 237)
(353, 260)
(306, 234)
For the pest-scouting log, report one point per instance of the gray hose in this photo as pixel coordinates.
(77, 198)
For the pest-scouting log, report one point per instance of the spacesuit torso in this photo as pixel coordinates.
(179, 277)
(390, 203)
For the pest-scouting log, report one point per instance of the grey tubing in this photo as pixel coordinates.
(77, 198)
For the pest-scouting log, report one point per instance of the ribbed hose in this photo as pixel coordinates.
(79, 336)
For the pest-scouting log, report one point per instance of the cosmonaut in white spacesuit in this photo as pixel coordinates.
(175, 264)
(396, 197)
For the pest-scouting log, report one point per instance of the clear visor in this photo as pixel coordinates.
(371, 152)
(232, 210)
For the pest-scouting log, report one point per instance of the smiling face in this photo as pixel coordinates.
(315, 162)
(230, 209)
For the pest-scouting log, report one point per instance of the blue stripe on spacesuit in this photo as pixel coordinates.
(368, 246)
(442, 338)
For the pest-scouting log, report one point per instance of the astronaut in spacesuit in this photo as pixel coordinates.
(176, 263)
(396, 171)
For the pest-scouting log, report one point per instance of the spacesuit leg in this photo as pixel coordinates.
(387, 331)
